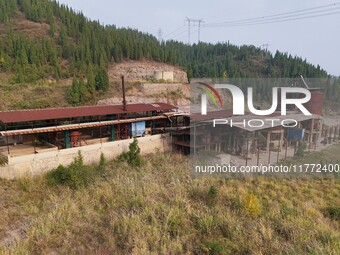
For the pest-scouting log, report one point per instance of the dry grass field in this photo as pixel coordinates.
(159, 209)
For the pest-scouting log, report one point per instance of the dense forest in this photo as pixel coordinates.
(75, 46)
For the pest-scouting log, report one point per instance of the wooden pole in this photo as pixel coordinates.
(311, 134)
(7, 139)
(195, 139)
(247, 152)
(278, 151)
(268, 145)
(100, 133)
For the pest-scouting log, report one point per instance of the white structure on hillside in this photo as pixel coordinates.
(164, 75)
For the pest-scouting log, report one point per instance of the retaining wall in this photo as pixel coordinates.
(33, 164)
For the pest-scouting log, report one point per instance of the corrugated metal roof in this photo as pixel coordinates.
(76, 126)
(72, 112)
(211, 115)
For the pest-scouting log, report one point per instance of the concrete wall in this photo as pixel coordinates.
(34, 164)
(163, 75)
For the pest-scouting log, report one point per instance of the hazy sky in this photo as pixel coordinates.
(316, 39)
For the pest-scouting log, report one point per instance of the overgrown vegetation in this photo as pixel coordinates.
(159, 209)
(333, 212)
(132, 157)
(300, 152)
(75, 176)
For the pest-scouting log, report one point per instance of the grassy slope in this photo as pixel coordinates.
(159, 209)
(42, 94)
(47, 93)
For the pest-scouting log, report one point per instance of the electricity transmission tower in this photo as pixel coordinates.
(160, 35)
(264, 47)
(194, 22)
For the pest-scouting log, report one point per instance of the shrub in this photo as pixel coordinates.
(102, 163)
(213, 192)
(74, 176)
(211, 248)
(132, 157)
(300, 152)
(252, 205)
(3, 160)
(332, 212)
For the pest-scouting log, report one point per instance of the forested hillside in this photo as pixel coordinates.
(65, 44)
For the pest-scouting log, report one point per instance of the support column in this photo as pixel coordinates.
(311, 135)
(153, 124)
(268, 140)
(7, 140)
(113, 133)
(281, 139)
(67, 139)
(195, 139)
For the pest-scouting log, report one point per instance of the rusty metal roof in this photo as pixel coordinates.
(72, 112)
(211, 115)
(76, 126)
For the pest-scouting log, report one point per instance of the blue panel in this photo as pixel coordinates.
(295, 134)
(137, 128)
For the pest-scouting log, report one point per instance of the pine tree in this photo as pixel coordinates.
(23, 58)
(102, 80)
(81, 42)
(73, 94)
(82, 90)
(91, 83)
(52, 26)
(62, 36)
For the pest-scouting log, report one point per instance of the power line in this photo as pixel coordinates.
(271, 16)
(183, 36)
(179, 34)
(282, 20)
(319, 11)
(177, 29)
(298, 14)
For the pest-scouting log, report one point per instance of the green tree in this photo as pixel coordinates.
(62, 36)
(82, 90)
(91, 83)
(189, 74)
(52, 26)
(73, 93)
(102, 80)
(133, 156)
